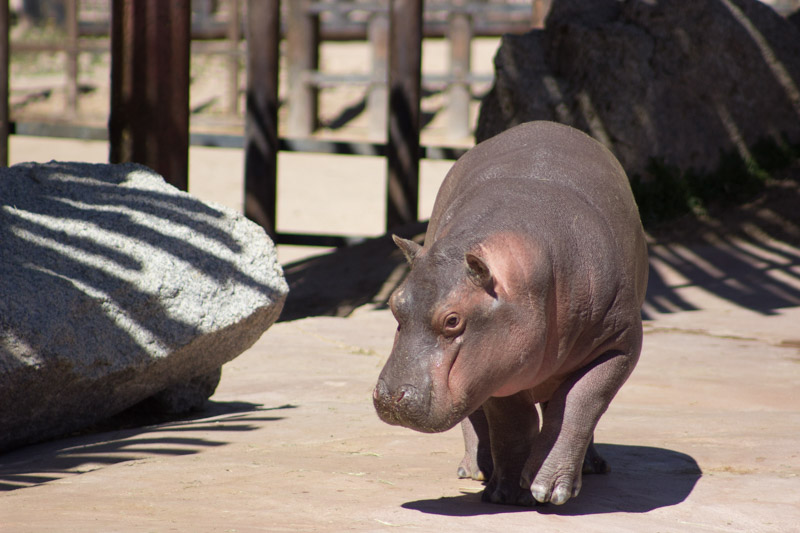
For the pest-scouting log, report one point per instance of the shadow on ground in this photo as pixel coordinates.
(748, 255)
(642, 479)
(117, 440)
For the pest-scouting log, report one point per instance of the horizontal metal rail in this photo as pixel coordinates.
(321, 79)
(319, 146)
(344, 7)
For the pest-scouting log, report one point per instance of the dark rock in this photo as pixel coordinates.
(681, 83)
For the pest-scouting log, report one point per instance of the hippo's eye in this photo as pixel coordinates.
(452, 325)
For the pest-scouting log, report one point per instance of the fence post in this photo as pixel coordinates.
(302, 57)
(405, 54)
(149, 119)
(261, 116)
(459, 33)
(234, 36)
(378, 33)
(4, 55)
(71, 22)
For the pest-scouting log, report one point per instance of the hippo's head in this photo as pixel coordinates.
(461, 337)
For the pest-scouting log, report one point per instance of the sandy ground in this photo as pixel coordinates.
(704, 436)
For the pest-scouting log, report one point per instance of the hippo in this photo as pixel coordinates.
(524, 303)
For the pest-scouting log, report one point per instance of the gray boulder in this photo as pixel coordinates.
(673, 81)
(115, 287)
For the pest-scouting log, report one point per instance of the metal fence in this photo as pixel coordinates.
(70, 39)
(151, 48)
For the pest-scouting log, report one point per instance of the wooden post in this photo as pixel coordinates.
(405, 55)
(149, 121)
(378, 32)
(302, 51)
(4, 55)
(261, 120)
(71, 23)
(459, 33)
(234, 36)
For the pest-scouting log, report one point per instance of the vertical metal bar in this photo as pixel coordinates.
(405, 56)
(459, 33)
(149, 119)
(377, 95)
(261, 120)
(302, 51)
(540, 10)
(234, 36)
(4, 56)
(71, 22)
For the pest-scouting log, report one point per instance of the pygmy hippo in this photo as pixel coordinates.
(527, 291)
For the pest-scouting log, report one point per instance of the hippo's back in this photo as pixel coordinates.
(558, 186)
(545, 152)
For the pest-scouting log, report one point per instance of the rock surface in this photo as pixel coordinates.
(671, 81)
(115, 287)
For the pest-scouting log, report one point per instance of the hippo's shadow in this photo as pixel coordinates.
(642, 479)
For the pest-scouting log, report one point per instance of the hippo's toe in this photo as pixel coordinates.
(557, 494)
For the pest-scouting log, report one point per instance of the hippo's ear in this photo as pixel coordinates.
(409, 248)
(479, 273)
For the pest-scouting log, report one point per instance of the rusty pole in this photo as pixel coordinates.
(261, 116)
(378, 33)
(540, 10)
(4, 55)
(149, 120)
(405, 55)
(302, 51)
(234, 37)
(71, 23)
(459, 33)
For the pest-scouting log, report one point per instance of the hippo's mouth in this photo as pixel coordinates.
(408, 407)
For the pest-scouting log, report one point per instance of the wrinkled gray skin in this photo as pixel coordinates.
(527, 291)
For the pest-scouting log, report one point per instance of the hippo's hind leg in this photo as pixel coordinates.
(513, 427)
(477, 461)
(554, 469)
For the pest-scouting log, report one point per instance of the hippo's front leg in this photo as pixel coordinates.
(553, 471)
(513, 428)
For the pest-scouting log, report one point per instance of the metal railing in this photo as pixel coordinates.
(394, 28)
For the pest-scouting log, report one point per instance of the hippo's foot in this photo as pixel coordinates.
(469, 469)
(556, 492)
(554, 475)
(477, 463)
(507, 492)
(556, 481)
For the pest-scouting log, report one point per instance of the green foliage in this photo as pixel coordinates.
(669, 192)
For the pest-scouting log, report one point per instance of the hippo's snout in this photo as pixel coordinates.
(403, 406)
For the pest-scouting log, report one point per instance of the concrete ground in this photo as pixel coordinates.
(705, 436)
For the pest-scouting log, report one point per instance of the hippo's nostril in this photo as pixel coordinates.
(406, 395)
